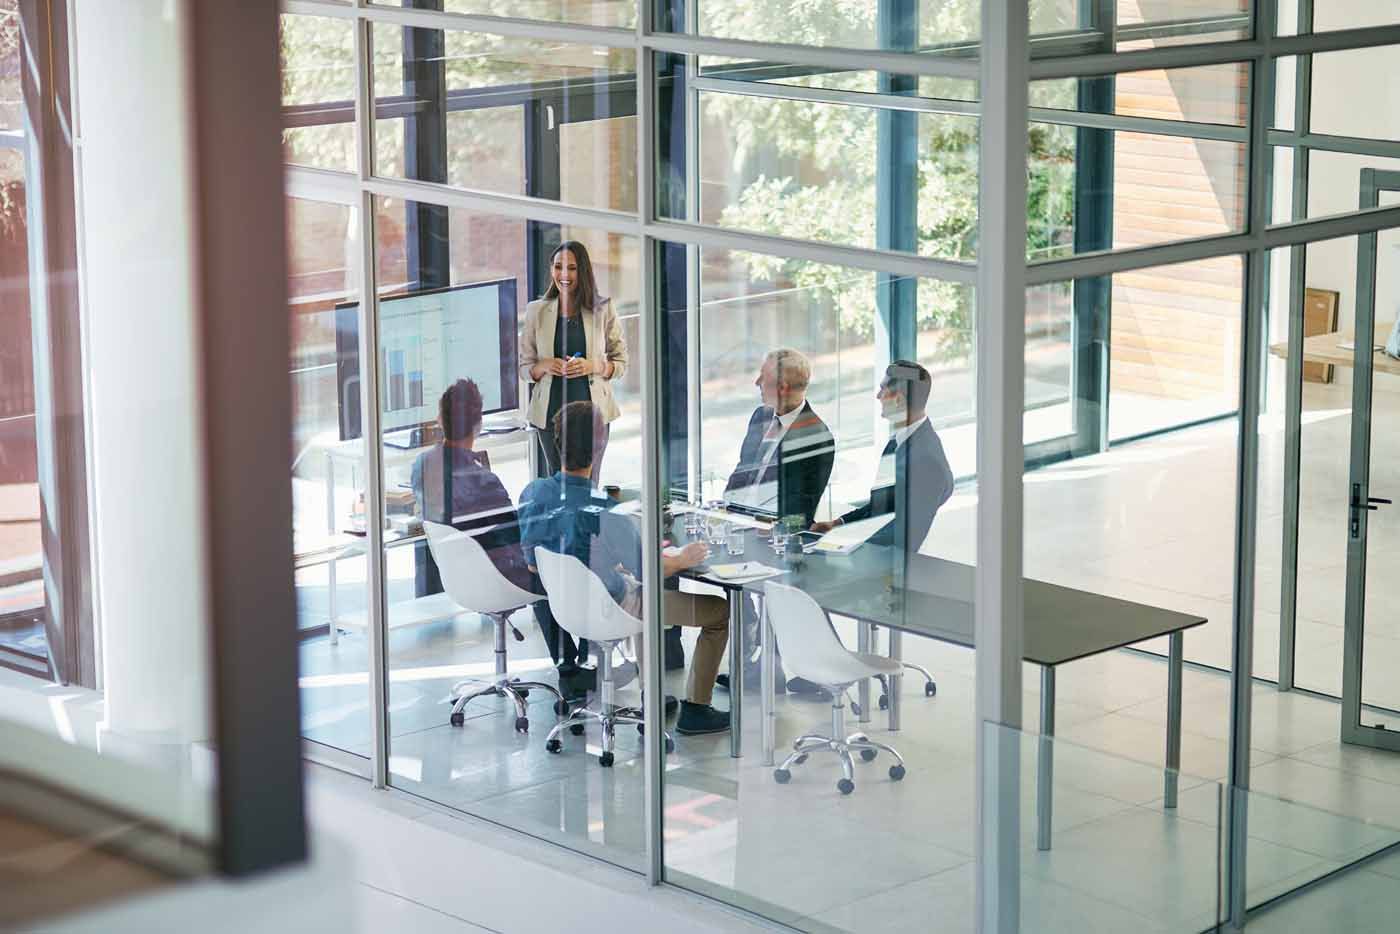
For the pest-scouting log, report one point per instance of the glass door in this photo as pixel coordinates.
(1371, 661)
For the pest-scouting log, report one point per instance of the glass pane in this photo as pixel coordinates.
(1146, 24)
(23, 642)
(328, 476)
(1214, 94)
(828, 484)
(1174, 355)
(456, 332)
(501, 114)
(1354, 14)
(318, 92)
(1341, 79)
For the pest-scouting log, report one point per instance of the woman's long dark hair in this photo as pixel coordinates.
(586, 287)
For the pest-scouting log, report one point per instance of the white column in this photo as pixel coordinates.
(139, 319)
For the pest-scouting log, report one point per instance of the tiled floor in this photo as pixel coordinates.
(1151, 522)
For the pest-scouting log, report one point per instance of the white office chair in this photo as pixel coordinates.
(812, 650)
(475, 583)
(582, 605)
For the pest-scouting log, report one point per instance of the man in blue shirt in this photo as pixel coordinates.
(564, 513)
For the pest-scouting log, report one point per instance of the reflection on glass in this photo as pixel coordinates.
(328, 477)
(318, 92)
(615, 13)
(10, 85)
(475, 615)
(1146, 24)
(495, 113)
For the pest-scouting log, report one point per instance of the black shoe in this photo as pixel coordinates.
(753, 678)
(803, 686)
(671, 705)
(675, 652)
(696, 719)
(576, 683)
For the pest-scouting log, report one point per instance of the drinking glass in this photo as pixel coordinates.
(780, 536)
(734, 539)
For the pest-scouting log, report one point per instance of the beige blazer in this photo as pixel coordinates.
(603, 339)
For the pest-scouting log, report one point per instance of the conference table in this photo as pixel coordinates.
(932, 597)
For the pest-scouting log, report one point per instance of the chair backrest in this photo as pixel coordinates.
(808, 644)
(468, 574)
(579, 600)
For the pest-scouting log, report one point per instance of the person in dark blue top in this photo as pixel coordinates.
(453, 484)
(564, 513)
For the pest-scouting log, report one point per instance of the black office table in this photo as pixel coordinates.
(933, 597)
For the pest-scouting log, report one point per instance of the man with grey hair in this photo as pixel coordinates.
(787, 453)
(784, 463)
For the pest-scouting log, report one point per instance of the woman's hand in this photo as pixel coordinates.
(693, 554)
(547, 365)
(577, 366)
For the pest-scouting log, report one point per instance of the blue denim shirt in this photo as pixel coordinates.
(551, 514)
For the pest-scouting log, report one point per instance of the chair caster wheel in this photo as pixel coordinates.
(896, 772)
(522, 725)
(641, 729)
(561, 708)
(523, 692)
(576, 729)
(670, 745)
(458, 718)
(867, 754)
(800, 759)
(606, 760)
(930, 689)
(884, 702)
(781, 776)
(855, 708)
(845, 786)
(554, 746)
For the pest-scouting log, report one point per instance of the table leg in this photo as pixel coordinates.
(1045, 774)
(865, 637)
(896, 681)
(1174, 665)
(736, 671)
(330, 530)
(330, 596)
(767, 683)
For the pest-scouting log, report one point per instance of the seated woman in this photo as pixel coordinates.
(454, 485)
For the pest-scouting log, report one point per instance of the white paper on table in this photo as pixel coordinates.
(849, 536)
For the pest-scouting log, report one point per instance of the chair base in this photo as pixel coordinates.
(608, 718)
(930, 686)
(506, 687)
(858, 743)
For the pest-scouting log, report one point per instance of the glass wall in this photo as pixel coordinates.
(787, 375)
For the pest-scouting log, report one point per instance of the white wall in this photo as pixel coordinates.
(139, 320)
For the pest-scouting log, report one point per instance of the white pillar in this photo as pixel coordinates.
(139, 319)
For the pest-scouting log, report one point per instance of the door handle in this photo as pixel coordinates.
(1377, 499)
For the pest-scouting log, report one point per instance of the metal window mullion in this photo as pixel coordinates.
(1000, 381)
(523, 207)
(837, 58)
(1354, 145)
(1293, 404)
(653, 483)
(874, 260)
(370, 420)
(614, 37)
(694, 399)
(1252, 342)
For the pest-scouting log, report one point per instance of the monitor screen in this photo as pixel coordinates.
(427, 341)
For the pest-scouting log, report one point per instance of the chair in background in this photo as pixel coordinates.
(582, 605)
(812, 650)
(475, 583)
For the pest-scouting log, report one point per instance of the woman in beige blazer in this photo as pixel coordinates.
(571, 349)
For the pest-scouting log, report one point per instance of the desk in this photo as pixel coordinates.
(1322, 348)
(934, 598)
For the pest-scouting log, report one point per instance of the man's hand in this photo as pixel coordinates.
(693, 554)
(824, 527)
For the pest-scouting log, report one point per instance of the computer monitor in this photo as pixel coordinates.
(428, 340)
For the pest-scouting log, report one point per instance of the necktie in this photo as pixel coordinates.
(768, 445)
(890, 446)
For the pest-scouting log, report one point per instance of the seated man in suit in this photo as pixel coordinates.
(784, 462)
(787, 453)
(564, 513)
(913, 480)
(453, 484)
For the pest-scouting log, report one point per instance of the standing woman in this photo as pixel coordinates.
(571, 350)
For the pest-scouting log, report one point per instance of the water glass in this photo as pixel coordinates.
(734, 539)
(694, 521)
(717, 529)
(780, 536)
